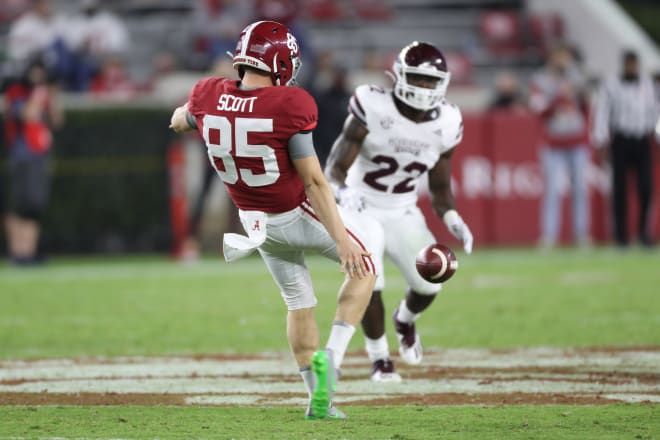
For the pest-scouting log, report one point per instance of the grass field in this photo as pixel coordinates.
(212, 315)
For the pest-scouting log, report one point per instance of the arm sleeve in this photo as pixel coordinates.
(301, 145)
(356, 107)
(454, 135)
(190, 119)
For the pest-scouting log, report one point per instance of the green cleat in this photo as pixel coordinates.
(321, 403)
(333, 413)
(321, 395)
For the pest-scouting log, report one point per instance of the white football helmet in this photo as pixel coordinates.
(421, 59)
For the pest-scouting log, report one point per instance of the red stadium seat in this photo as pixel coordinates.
(372, 9)
(323, 10)
(501, 32)
(461, 68)
(545, 29)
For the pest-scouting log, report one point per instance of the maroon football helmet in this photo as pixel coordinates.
(269, 46)
(421, 59)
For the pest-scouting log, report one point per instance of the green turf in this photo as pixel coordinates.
(154, 306)
(143, 306)
(408, 422)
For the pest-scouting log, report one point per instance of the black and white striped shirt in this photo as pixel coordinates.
(630, 108)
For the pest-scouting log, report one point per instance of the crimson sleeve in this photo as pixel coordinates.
(302, 110)
(196, 95)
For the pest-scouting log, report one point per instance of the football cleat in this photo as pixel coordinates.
(383, 370)
(324, 370)
(410, 347)
(333, 413)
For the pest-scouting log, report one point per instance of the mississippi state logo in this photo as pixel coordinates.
(386, 123)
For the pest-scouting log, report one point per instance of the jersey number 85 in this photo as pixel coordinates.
(220, 153)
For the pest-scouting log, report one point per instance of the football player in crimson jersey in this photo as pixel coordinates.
(390, 140)
(258, 135)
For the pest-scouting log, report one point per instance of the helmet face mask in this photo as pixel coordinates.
(270, 47)
(420, 63)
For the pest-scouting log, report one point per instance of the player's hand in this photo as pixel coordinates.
(352, 259)
(459, 229)
(178, 121)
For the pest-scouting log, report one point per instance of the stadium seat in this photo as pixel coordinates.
(323, 10)
(461, 68)
(372, 10)
(501, 32)
(544, 29)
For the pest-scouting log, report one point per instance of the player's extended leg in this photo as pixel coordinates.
(302, 230)
(354, 295)
(291, 275)
(402, 248)
(373, 325)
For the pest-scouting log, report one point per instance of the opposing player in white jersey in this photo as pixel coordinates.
(391, 139)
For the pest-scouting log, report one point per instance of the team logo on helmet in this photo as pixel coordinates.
(271, 47)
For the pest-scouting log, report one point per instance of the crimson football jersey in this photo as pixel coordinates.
(247, 134)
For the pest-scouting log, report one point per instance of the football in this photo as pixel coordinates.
(436, 263)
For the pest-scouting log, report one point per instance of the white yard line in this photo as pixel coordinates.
(215, 381)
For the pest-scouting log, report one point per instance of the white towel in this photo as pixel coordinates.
(237, 246)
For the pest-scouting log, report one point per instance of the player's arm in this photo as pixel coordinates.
(182, 121)
(345, 150)
(322, 200)
(442, 200)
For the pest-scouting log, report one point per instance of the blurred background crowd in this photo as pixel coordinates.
(107, 73)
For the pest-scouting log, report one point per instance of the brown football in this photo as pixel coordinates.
(436, 263)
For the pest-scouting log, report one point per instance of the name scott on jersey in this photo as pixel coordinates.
(231, 103)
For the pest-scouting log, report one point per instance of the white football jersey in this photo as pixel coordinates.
(397, 152)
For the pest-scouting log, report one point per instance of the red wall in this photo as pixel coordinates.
(498, 185)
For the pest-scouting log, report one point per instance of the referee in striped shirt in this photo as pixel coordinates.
(625, 114)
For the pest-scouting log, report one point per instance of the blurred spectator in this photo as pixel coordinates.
(92, 35)
(282, 11)
(219, 21)
(626, 111)
(557, 95)
(372, 71)
(332, 106)
(113, 80)
(103, 33)
(32, 107)
(656, 85)
(35, 31)
(324, 72)
(11, 9)
(508, 93)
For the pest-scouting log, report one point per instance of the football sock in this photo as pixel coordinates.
(377, 348)
(309, 378)
(405, 315)
(340, 335)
